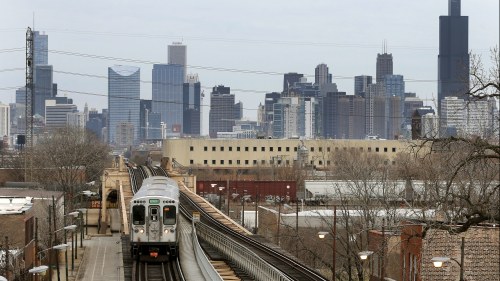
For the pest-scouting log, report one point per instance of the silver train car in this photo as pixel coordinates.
(154, 212)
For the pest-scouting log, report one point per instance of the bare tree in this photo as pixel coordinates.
(67, 158)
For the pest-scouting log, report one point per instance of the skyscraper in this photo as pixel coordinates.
(41, 46)
(321, 75)
(361, 83)
(384, 66)
(167, 95)
(453, 58)
(289, 79)
(394, 92)
(332, 115)
(4, 121)
(192, 106)
(452, 113)
(43, 88)
(123, 104)
(221, 116)
(177, 55)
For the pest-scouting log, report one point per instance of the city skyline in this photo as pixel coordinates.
(237, 43)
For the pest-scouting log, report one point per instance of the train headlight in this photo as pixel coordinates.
(166, 230)
(139, 230)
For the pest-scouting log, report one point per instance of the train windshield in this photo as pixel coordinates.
(169, 215)
(138, 214)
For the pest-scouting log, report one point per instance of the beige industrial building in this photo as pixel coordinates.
(253, 153)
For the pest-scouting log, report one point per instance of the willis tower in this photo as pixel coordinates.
(453, 58)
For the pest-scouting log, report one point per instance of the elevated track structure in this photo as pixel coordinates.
(233, 251)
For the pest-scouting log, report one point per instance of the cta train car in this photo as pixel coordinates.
(154, 210)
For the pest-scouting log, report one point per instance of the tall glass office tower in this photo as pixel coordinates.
(168, 81)
(41, 44)
(123, 102)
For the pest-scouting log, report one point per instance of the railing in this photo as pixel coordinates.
(206, 267)
(240, 255)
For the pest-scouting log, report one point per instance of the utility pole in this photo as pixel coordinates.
(29, 95)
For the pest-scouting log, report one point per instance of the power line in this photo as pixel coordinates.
(211, 68)
(241, 40)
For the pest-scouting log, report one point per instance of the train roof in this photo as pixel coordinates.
(158, 186)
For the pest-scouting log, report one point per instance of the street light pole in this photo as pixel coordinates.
(220, 197)
(334, 258)
(462, 250)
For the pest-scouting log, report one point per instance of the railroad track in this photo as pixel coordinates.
(289, 266)
(168, 271)
(138, 173)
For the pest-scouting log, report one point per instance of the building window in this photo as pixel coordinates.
(279, 161)
(254, 148)
(222, 162)
(385, 149)
(320, 163)
(230, 148)
(205, 148)
(255, 162)
(393, 149)
(312, 162)
(262, 149)
(237, 162)
(376, 149)
(287, 149)
(191, 161)
(230, 162)
(312, 149)
(237, 148)
(279, 148)
(369, 149)
(246, 162)
(213, 148)
(221, 148)
(320, 149)
(191, 148)
(246, 148)
(295, 149)
(328, 149)
(263, 162)
(336, 149)
(213, 162)
(271, 148)
(328, 162)
(205, 162)
(360, 149)
(345, 148)
(288, 162)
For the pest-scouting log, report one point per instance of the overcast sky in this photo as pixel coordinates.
(250, 43)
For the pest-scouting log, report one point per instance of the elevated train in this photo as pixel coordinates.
(154, 212)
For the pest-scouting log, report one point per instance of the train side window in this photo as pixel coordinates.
(169, 215)
(138, 215)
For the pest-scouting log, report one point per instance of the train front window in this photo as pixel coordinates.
(169, 215)
(153, 213)
(138, 214)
